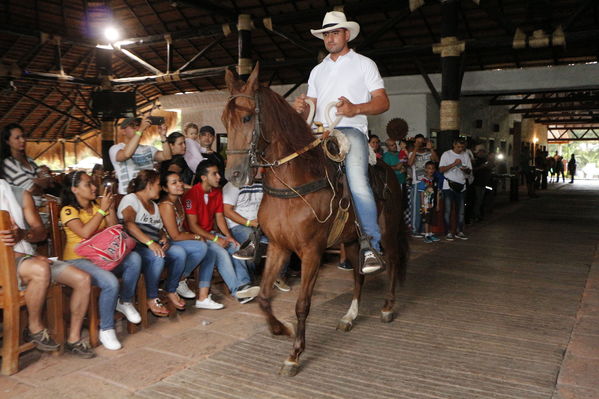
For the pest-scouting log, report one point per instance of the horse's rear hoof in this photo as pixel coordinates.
(289, 369)
(345, 325)
(387, 317)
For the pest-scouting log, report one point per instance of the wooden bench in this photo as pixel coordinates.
(12, 300)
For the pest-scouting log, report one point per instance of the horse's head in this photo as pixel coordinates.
(240, 118)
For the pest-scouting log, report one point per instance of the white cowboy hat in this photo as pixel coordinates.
(336, 20)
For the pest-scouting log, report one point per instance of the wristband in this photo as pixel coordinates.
(138, 133)
(149, 243)
(102, 212)
(248, 222)
(215, 239)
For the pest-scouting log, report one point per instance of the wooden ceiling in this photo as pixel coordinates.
(50, 36)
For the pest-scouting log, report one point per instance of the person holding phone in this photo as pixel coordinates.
(423, 152)
(129, 157)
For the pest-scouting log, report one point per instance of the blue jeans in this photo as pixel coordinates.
(241, 233)
(175, 261)
(196, 254)
(356, 168)
(416, 218)
(450, 197)
(233, 271)
(108, 283)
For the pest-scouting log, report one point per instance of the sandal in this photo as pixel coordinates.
(157, 308)
(176, 300)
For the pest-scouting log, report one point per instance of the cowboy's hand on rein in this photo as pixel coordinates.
(346, 108)
(300, 104)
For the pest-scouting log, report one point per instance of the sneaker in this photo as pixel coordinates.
(345, 266)
(434, 238)
(80, 348)
(246, 252)
(208, 303)
(417, 235)
(184, 291)
(42, 340)
(129, 311)
(449, 237)
(245, 300)
(371, 264)
(461, 236)
(247, 291)
(109, 340)
(282, 285)
(428, 240)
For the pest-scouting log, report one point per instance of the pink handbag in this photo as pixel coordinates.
(107, 248)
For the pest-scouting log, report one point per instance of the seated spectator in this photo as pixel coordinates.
(177, 163)
(241, 207)
(375, 143)
(82, 217)
(54, 189)
(16, 167)
(204, 205)
(36, 273)
(141, 217)
(98, 176)
(129, 157)
(455, 166)
(173, 218)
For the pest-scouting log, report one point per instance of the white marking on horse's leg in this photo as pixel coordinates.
(352, 313)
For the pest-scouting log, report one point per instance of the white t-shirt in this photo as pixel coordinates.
(149, 223)
(352, 76)
(193, 154)
(418, 166)
(455, 174)
(245, 200)
(142, 158)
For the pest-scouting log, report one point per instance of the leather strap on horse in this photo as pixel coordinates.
(297, 191)
(299, 152)
(342, 214)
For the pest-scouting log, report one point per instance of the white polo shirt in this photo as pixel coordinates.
(352, 76)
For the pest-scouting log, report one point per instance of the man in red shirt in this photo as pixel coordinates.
(203, 205)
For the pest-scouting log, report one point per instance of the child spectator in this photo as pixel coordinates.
(429, 198)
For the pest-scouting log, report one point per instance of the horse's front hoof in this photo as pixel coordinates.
(289, 369)
(344, 325)
(387, 317)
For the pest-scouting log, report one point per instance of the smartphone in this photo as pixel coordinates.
(109, 187)
(156, 120)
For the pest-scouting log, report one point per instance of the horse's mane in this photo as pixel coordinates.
(282, 123)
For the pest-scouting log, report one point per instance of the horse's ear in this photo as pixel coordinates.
(253, 83)
(231, 81)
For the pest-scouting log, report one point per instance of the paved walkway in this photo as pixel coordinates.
(511, 313)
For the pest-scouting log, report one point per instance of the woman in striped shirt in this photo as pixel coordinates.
(141, 218)
(18, 169)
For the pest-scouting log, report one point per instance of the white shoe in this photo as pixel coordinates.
(109, 340)
(371, 263)
(184, 291)
(129, 311)
(208, 303)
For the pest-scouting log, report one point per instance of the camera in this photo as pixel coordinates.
(156, 120)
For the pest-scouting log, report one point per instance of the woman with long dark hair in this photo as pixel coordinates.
(176, 140)
(82, 217)
(173, 218)
(142, 220)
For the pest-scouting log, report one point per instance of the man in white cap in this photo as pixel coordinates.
(355, 84)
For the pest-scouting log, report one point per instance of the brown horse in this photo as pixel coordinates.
(262, 127)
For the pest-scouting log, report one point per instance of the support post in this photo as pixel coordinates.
(108, 138)
(244, 31)
(450, 49)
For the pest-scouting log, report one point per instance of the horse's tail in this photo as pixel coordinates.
(403, 243)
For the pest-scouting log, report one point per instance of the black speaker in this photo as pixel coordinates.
(113, 104)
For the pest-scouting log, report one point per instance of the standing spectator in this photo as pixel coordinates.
(456, 166)
(178, 144)
(551, 167)
(206, 138)
(572, 168)
(54, 189)
(196, 249)
(141, 217)
(16, 167)
(482, 179)
(392, 158)
(429, 198)
(375, 143)
(82, 217)
(129, 157)
(559, 167)
(423, 152)
(203, 206)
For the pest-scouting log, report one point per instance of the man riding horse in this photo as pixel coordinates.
(354, 81)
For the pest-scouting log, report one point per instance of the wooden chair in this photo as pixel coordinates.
(93, 311)
(11, 302)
